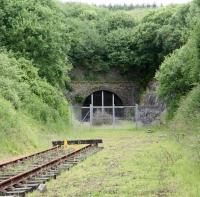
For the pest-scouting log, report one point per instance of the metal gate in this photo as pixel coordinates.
(104, 115)
(115, 116)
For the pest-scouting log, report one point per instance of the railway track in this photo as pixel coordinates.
(27, 157)
(25, 174)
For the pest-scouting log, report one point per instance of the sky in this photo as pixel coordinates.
(107, 2)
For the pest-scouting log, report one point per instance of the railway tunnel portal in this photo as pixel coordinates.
(102, 95)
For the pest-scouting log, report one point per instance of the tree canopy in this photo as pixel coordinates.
(36, 30)
(102, 39)
(180, 73)
(55, 38)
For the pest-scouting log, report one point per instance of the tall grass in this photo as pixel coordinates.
(29, 107)
(21, 134)
(188, 113)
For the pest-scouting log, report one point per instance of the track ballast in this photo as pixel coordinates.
(25, 174)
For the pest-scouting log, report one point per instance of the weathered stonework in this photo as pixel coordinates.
(128, 92)
(151, 108)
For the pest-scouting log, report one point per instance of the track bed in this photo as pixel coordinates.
(25, 174)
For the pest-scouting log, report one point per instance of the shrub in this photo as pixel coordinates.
(36, 30)
(176, 76)
(79, 98)
(188, 113)
(8, 117)
(21, 85)
(12, 88)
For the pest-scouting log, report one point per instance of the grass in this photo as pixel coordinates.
(21, 142)
(132, 163)
(20, 134)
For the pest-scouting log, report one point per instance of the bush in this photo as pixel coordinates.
(8, 117)
(177, 77)
(36, 30)
(188, 113)
(21, 85)
(79, 98)
(12, 88)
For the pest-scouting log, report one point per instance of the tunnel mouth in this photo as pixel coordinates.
(104, 101)
(105, 96)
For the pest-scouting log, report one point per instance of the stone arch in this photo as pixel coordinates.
(128, 92)
(102, 95)
(106, 89)
(104, 99)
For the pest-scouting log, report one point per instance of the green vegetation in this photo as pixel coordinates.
(40, 41)
(21, 85)
(21, 134)
(180, 66)
(33, 63)
(36, 30)
(29, 106)
(103, 39)
(132, 163)
(179, 79)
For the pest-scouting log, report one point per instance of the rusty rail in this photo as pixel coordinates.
(27, 157)
(28, 174)
(14, 180)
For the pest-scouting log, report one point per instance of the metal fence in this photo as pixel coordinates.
(106, 115)
(115, 116)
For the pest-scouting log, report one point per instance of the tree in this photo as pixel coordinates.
(118, 49)
(35, 29)
(120, 19)
(87, 46)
